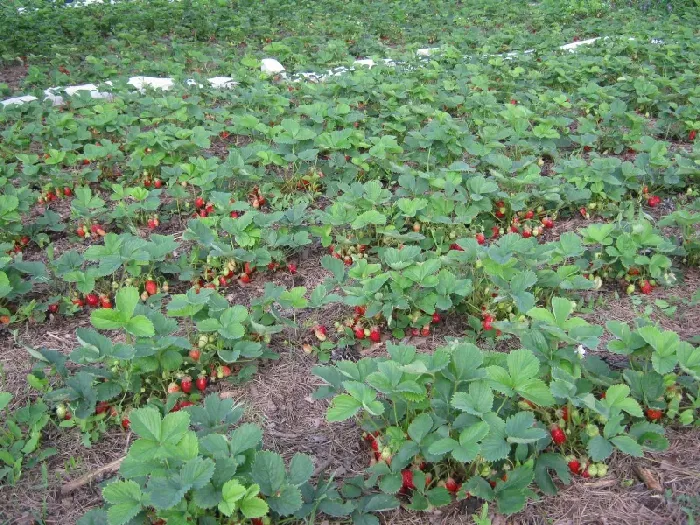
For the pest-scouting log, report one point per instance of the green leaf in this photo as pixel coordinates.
(420, 427)
(5, 398)
(342, 407)
(391, 483)
(126, 300)
(254, 507)
(231, 493)
(300, 469)
(197, 472)
(145, 423)
(478, 401)
(599, 448)
(245, 437)
(544, 464)
(520, 429)
(381, 502)
(628, 445)
(124, 498)
(140, 326)
(268, 472)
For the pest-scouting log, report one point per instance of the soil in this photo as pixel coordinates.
(13, 75)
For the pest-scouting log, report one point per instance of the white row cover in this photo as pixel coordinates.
(269, 66)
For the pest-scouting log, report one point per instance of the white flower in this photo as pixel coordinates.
(581, 351)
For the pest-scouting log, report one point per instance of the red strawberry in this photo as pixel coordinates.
(565, 413)
(436, 318)
(653, 414)
(247, 268)
(527, 233)
(407, 477)
(199, 203)
(480, 239)
(95, 228)
(80, 231)
(53, 308)
(321, 332)
(234, 215)
(547, 223)
(558, 435)
(24, 240)
(86, 162)
(456, 247)
(151, 287)
(244, 278)
(653, 201)
(513, 101)
(495, 231)
(186, 384)
(126, 423)
(101, 407)
(256, 521)
(691, 135)
(375, 335)
(195, 354)
(514, 229)
(645, 287)
(375, 445)
(415, 332)
(360, 333)
(529, 214)
(67, 192)
(201, 383)
(360, 310)
(92, 300)
(425, 331)
(151, 224)
(451, 485)
(78, 302)
(575, 466)
(157, 183)
(173, 388)
(584, 213)
(292, 268)
(105, 302)
(585, 474)
(223, 371)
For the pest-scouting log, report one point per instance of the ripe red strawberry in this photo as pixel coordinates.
(575, 466)
(529, 214)
(451, 485)
(495, 231)
(565, 413)
(436, 318)
(480, 239)
(514, 229)
(645, 287)
(92, 300)
(247, 268)
(78, 302)
(24, 240)
(147, 183)
(271, 266)
(151, 287)
(558, 435)
(80, 231)
(415, 332)
(173, 388)
(257, 521)
(67, 192)
(126, 423)
(691, 136)
(585, 474)
(425, 331)
(223, 371)
(186, 384)
(244, 278)
(101, 407)
(157, 183)
(360, 310)
(653, 201)
(86, 162)
(583, 212)
(94, 228)
(321, 332)
(105, 302)
(199, 203)
(513, 102)
(527, 233)
(375, 335)
(360, 333)
(407, 477)
(195, 354)
(292, 268)
(456, 247)
(151, 224)
(654, 414)
(201, 383)
(234, 215)
(633, 271)
(547, 222)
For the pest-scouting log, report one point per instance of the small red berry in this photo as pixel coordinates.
(292, 268)
(653, 414)
(201, 383)
(558, 435)
(574, 466)
(480, 239)
(407, 477)
(375, 335)
(186, 384)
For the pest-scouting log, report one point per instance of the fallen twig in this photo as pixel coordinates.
(96, 475)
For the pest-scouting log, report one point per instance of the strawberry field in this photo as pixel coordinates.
(367, 262)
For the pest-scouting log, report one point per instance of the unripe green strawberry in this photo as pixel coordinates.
(592, 430)
(593, 470)
(602, 470)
